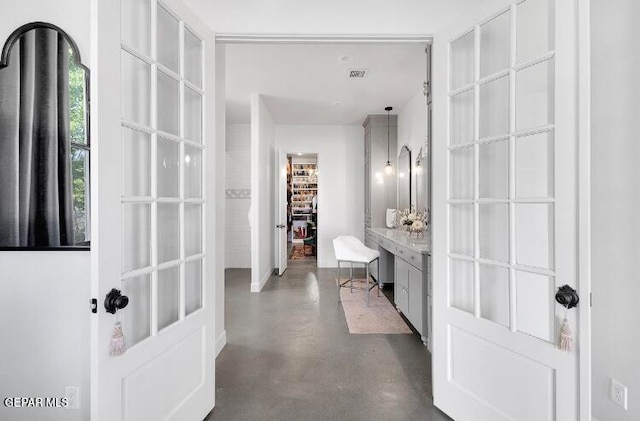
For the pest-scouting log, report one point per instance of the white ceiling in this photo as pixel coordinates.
(300, 82)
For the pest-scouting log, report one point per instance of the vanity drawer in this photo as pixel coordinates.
(412, 257)
(386, 244)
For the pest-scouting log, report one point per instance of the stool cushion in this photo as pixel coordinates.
(349, 248)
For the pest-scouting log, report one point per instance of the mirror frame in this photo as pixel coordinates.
(4, 62)
(423, 161)
(409, 175)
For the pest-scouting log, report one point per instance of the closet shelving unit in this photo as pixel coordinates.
(304, 185)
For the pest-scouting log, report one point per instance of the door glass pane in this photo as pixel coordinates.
(136, 90)
(494, 108)
(168, 104)
(494, 45)
(136, 163)
(534, 165)
(534, 305)
(534, 29)
(192, 58)
(193, 286)
(192, 115)
(494, 232)
(192, 172)
(136, 25)
(168, 168)
(168, 296)
(192, 229)
(136, 316)
(534, 96)
(461, 173)
(461, 240)
(461, 287)
(494, 170)
(534, 235)
(168, 40)
(494, 294)
(136, 236)
(168, 232)
(462, 118)
(462, 52)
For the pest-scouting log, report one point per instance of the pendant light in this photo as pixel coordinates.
(388, 169)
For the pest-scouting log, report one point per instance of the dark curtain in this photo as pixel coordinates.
(35, 162)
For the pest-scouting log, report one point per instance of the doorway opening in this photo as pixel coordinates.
(302, 207)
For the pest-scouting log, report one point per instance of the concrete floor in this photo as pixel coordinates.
(290, 356)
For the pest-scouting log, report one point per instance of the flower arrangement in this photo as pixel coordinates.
(414, 222)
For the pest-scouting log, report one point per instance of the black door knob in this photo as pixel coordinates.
(567, 296)
(115, 301)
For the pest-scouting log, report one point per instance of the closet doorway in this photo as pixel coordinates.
(302, 207)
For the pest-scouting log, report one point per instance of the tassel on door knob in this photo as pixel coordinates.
(115, 301)
(567, 296)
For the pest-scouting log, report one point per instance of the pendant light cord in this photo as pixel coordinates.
(388, 110)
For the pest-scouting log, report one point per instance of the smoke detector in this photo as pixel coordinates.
(358, 73)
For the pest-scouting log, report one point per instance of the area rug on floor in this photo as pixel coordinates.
(297, 252)
(379, 317)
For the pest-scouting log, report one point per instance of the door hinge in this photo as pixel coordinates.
(94, 305)
(590, 299)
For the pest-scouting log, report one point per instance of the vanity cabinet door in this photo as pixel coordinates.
(401, 288)
(416, 297)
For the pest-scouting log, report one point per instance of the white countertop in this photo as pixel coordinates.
(419, 245)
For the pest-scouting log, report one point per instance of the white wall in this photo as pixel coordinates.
(44, 320)
(328, 16)
(262, 194)
(238, 196)
(615, 203)
(412, 124)
(44, 296)
(219, 197)
(340, 152)
(412, 131)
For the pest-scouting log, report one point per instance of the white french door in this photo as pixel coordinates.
(505, 233)
(153, 226)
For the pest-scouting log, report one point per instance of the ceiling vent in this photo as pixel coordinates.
(358, 73)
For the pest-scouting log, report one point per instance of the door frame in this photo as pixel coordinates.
(317, 154)
(584, 205)
(583, 159)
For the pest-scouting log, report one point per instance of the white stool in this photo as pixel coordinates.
(349, 249)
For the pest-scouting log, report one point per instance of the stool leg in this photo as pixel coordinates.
(351, 277)
(338, 281)
(378, 278)
(368, 290)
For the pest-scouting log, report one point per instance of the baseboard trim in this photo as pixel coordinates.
(263, 281)
(221, 341)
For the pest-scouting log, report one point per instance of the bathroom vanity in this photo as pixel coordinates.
(406, 262)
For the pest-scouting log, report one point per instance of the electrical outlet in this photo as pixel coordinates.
(72, 393)
(619, 393)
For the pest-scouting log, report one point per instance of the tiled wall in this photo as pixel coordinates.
(238, 196)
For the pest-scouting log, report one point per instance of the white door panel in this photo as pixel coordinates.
(281, 233)
(154, 226)
(505, 221)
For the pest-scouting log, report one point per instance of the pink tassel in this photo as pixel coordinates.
(117, 347)
(566, 339)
